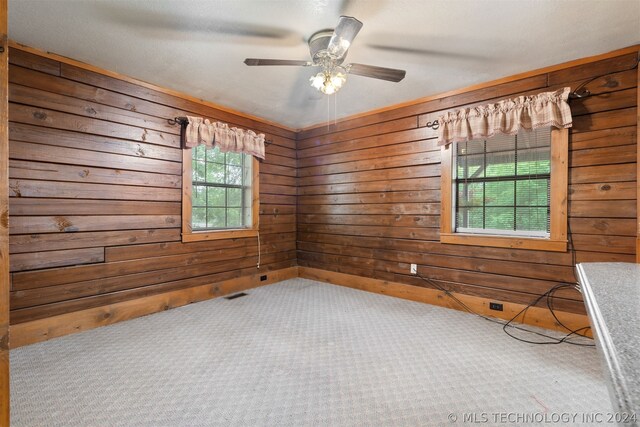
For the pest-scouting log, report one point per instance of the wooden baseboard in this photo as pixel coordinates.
(44, 329)
(57, 326)
(535, 316)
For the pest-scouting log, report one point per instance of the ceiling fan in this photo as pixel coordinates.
(328, 50)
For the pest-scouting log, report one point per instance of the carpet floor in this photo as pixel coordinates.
(301, 353)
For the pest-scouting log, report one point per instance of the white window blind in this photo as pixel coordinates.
(502, 184)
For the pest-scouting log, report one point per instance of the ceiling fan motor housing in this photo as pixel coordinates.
(318, 43)
(328, 49)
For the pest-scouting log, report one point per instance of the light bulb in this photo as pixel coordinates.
(330, 80)
(328, 89)
(317, 81)
(338, 80)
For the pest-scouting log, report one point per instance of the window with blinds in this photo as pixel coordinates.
(502, 184)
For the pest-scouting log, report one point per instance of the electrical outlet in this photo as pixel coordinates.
(263, 277)
(414, 268)
(495, 306)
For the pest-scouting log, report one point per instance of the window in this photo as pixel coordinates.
(507, 191)
(220, 197)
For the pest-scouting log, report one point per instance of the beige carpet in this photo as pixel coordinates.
(301, 353)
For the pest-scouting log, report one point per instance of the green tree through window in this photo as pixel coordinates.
(502, 184)
(221, 189)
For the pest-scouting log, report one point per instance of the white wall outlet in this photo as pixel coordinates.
(414, 269)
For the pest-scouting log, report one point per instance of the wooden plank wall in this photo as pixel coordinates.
(95, 186)
(369, 191)
(4, 223)
(638, 169)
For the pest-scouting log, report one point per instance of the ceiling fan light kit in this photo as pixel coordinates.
(329, 81)
(328, 49)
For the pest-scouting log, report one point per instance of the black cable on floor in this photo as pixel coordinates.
(508, 324)
(575, 278)
(549, 297)
(553, 313)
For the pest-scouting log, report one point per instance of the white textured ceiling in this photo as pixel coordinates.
(198, 47)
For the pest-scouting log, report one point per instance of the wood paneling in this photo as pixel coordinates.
(72, 190)
(638, 167)
(4, 220)
(103, 286)
(590, 69)
(603, 174)
(60, 138)
(55, 241)
(35, 62)
(273, 262)
(484, 91)
(35, 206)
(361, 132)
(72, 224)
(603, 138)
(434, 247)
(52, 101)
(607, 191)
(104, 78)
(536, 316)
(519, 83)
(77, 173)
(78, 321)
(57, 120)
(49, 259)
(46, 153)
(95, 175)
(369, 203)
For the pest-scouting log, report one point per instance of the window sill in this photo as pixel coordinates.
(512, 242)
(217, 235)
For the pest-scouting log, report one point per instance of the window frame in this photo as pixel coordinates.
(557, 239)
(188, 234)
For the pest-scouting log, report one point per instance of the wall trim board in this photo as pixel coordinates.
(484, 85)
(4, 219)
(83, 65)
(638, 169)
(536, 316)
(57, 326)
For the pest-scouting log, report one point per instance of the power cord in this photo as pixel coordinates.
(508, 324)
(576, 285)
(258, 264)
(549, 297)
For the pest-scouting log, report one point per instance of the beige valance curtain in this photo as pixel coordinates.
(217, 134)
(507, 117)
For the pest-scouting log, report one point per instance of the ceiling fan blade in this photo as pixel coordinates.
(257, 61)
(426, 52)
(347, 29)
(382, 73)
(184, 21)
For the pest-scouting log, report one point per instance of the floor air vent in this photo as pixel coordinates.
(234, 296)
